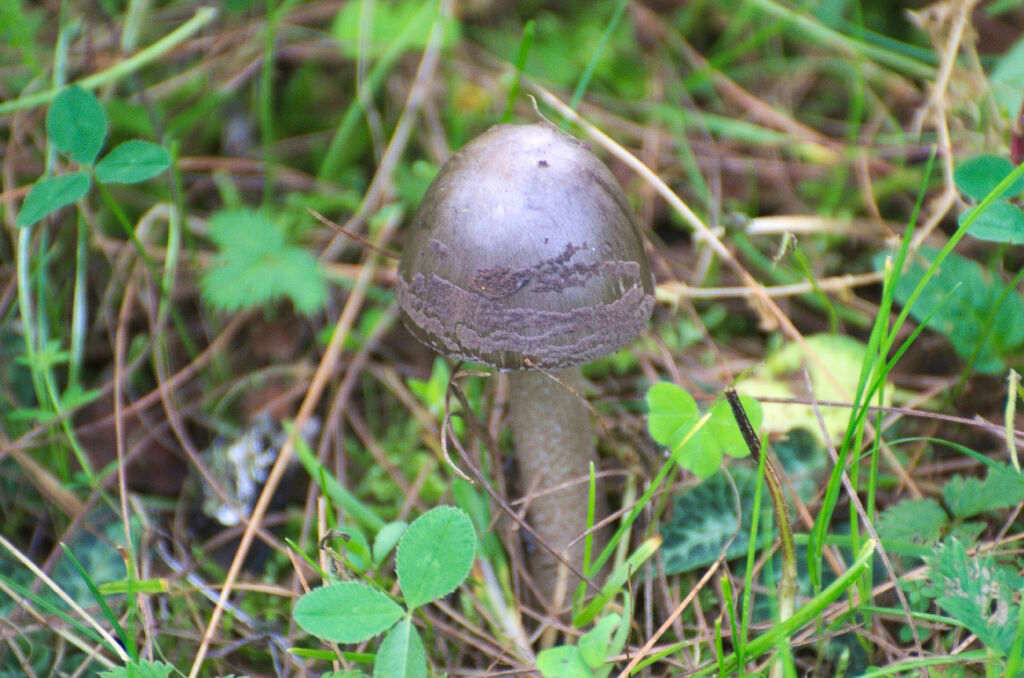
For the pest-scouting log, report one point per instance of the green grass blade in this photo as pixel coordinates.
(529, 30)
(814, 608)
(127, 640)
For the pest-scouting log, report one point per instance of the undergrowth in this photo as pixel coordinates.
(221, 453)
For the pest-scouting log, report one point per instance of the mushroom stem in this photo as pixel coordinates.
(554, 443)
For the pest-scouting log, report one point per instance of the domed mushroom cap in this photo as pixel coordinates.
(524, 253)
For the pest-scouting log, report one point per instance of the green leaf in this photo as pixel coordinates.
(673, 416)
(74, 396)
(724, 430)
(670, 408)
(803, 457)
(920, 521)
(50, 194)
(999, 222)
(346, 612)
(564, 661)
(77, 124)
(386, 540)
(965, 296)
(594, 643)
(140, 669)
(977, 591)
(618, 641)
(431, 392)
(1007, 79)
(357, 547)
(472, 502)
(977, 176)
(435, 555)
(256, 265)
(19, 25)
(563, 46)
(704, 520)
(834, 376)
(615, 582)
(388, 19)
(967, 497)
(133, 161)
(401, 654)
(133, 586)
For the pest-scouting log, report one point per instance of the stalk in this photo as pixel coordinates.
(554, 442)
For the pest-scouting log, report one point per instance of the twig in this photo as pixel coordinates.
(34, 569)
(323, 374)
(403, 130)
(203, 16)
(788, 581)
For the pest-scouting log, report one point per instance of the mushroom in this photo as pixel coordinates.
(524, 255)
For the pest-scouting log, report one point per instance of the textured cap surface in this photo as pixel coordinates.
(524, 253)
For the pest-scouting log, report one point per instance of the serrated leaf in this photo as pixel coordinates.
(967, 497)
(256, 265)
(435, 555)
(999, 222)
(977, 176)
(564, 661)
(140, 669)
(77, 124)
(919, 521)
(133, 161)
(965, 296)
(401, 654)
(594, 643)
(977, 591)
(50, 194)
(704, 520)
(386, 540)
(346, 612)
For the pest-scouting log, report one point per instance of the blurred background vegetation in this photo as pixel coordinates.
(158, 338)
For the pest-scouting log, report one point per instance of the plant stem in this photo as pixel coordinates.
(203, 16)
(554, 443)
(788, 580)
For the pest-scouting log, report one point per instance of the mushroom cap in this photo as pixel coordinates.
(524, 253)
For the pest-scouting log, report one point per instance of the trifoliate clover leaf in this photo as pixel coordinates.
(673, 417)
(256, 265)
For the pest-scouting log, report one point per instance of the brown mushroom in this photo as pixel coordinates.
(525, 256)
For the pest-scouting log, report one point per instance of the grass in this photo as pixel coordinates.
(184, 454)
